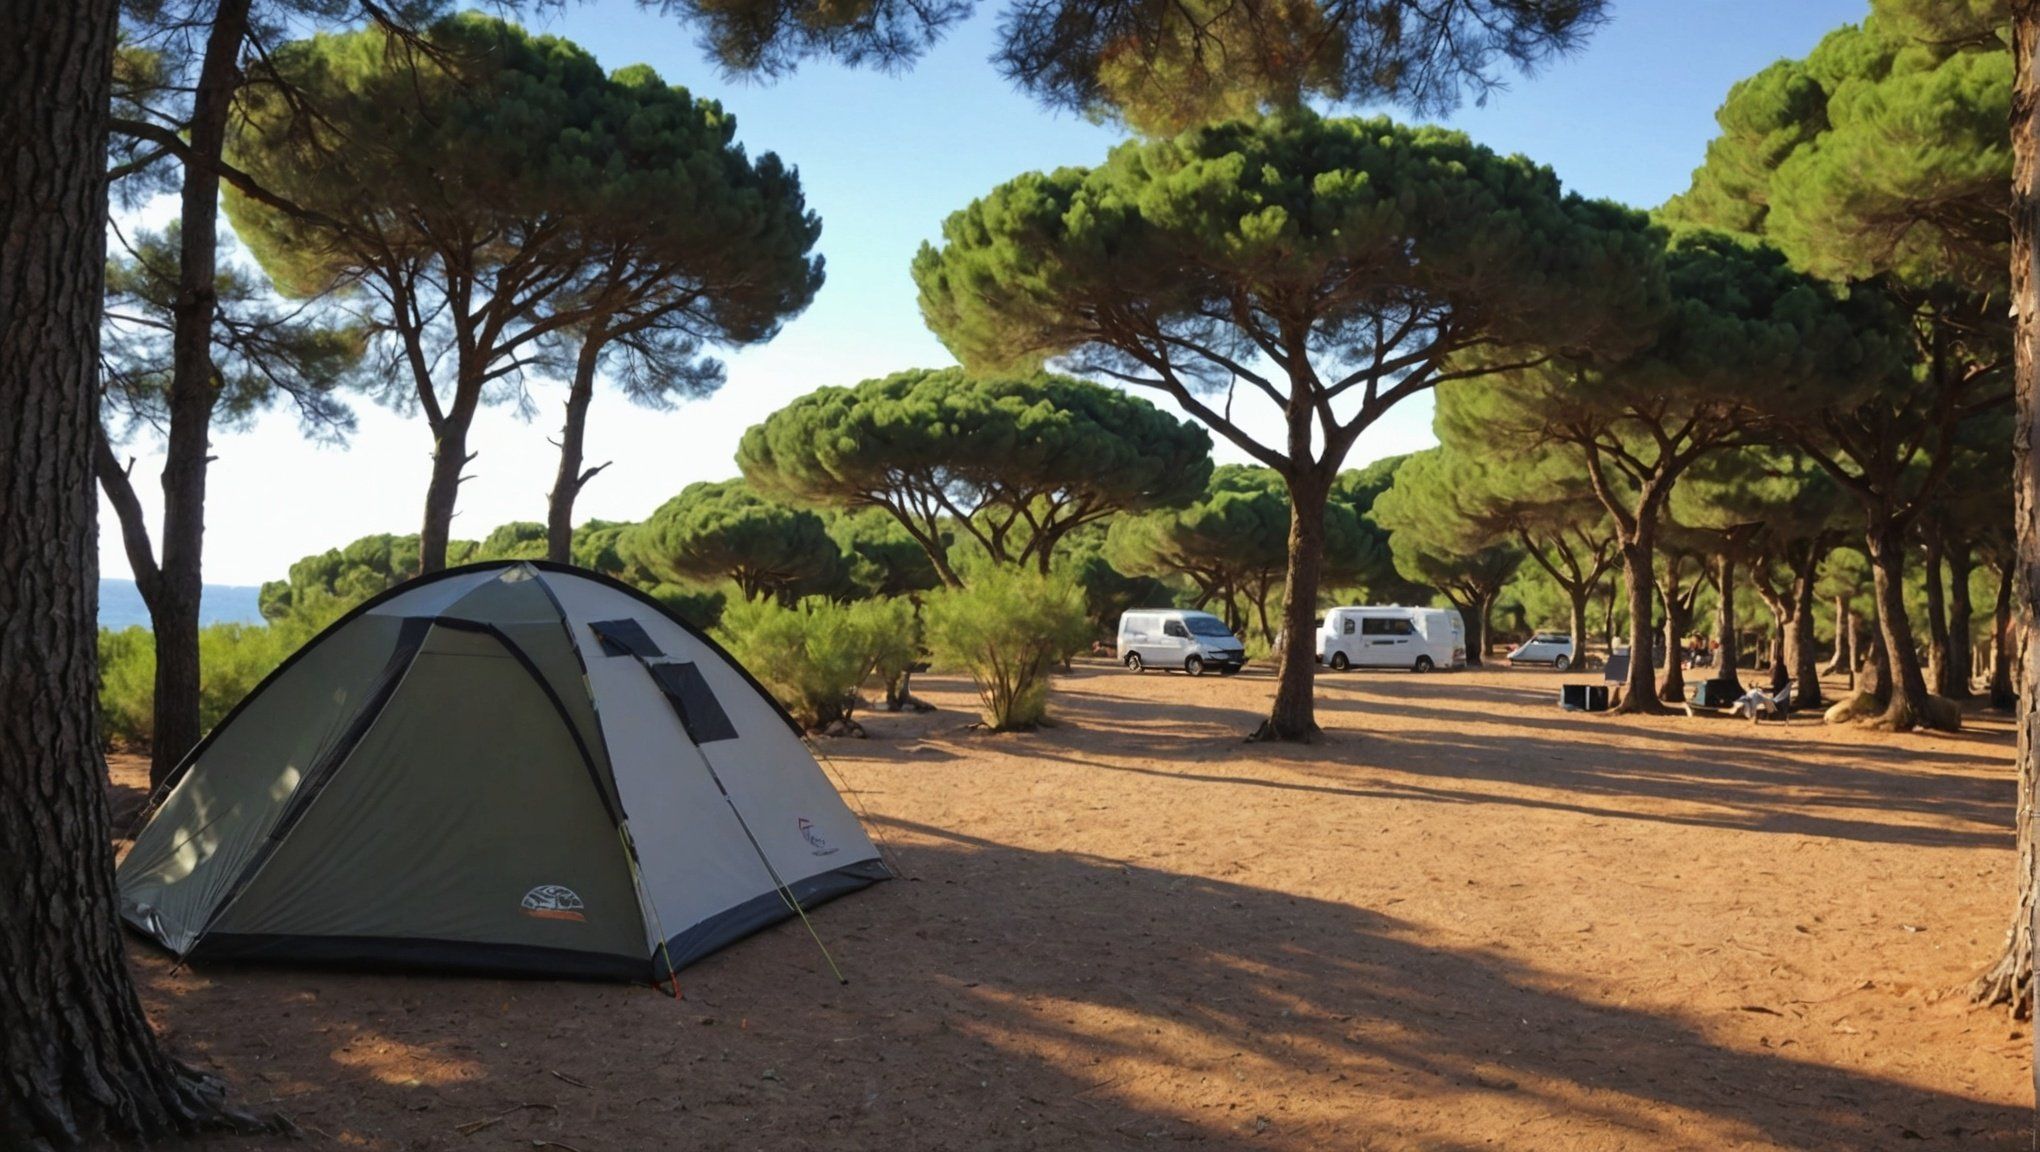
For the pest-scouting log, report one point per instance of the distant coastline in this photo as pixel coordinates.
(121, 606)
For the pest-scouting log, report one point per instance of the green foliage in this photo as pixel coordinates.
(263, 352)
(701, 607)
(1294, 221)
(1164, 66)
(1108, 590)
(127, 685)
(725, 531)
(483, 193)
(1233, 543)
(1436, 541)
(1014, 463)
(233, 659)
(1008, 629)
(880, 556)
(1884, 151)
(1373, 578)
(322, 587)
(814, 654)
(517, 540)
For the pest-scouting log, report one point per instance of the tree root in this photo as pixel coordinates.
(1268, 733)
(2008, 984)
(1941, 714)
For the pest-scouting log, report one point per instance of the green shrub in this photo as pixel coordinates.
(814, 655)
(127, 685)
(1008, 629)
(232, 660)
(701, 607)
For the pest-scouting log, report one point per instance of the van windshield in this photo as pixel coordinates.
(1207, 626)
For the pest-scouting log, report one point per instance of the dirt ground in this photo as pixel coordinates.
(1465, 920)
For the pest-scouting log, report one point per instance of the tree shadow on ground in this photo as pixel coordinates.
(1728, 778)
(1005, 998)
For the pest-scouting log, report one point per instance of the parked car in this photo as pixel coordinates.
(1182, 638)
(1553, 648)
(1419, 639)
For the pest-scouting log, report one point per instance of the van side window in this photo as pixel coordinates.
(1175, 628)
(1349, 625)
(1387, 626)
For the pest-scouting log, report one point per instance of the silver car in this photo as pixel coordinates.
(1553, 648)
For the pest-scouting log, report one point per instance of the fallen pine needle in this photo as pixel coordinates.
(474, 1126)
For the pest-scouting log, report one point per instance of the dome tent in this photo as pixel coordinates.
(512, 767)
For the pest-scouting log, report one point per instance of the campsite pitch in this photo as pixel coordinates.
(1464, 920)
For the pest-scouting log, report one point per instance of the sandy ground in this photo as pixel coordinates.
(1466, 920)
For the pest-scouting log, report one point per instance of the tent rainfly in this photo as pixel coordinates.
(515, 768)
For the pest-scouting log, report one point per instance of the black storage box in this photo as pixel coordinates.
(1583, 697)
(1715, 693)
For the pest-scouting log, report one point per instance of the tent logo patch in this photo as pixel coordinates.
(553, 902)
(807, 832)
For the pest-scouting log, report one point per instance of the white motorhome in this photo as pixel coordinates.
(1419, 639)
(1178, 638)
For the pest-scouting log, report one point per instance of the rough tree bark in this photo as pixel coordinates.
(1294, 716)
(450, 459)
(1939, 660)
(1960, 671)
(1639, 691)
(194, 390)
(1678, 601)
(1907, 707)
(2001, 693)
(1839, 661)
(570, 479)
(79, 1058)
(2010, 979)
(1726, 659)
(1801, 659)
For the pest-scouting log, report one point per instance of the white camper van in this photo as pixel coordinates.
(1419, 639)
(1178, 638)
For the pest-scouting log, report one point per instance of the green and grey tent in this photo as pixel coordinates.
(514, 767)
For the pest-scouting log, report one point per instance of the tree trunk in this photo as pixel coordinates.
(1678, 621)
(2010, 980)
(1876, 679)
(79, 1058)
(1907, 707)
(193, 390)
(1855, 654)
(1639, 691)
(1294, 716)
(1961, 665)
(1473, 615)
(568, 480)
(1576, 597)
(2001, 693)
(1802, 661)
(1839, 661)
(1938, 660)
(1608, 619)
(449, 458)
(1725, 639)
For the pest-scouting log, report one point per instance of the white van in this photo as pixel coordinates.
(1178, 638)
(1419, 639)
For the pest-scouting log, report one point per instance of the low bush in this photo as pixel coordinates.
(1008, 630)
(813, 656)
(127, 686)
(233, 659)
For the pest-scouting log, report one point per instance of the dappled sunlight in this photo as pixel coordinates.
(390, 1061)
(1516, 931)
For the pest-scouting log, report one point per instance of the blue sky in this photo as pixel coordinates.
(883, 159)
